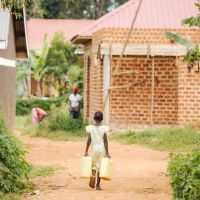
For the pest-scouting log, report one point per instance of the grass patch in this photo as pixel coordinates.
(41, 171)
(11, 196)
(166, 139)
(58, 125)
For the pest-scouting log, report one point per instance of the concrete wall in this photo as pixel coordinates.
(8, 81)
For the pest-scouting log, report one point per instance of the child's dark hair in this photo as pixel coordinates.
(98, 116)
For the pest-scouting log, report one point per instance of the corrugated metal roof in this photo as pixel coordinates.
(4, 24)
(153, 14)
(37, 28)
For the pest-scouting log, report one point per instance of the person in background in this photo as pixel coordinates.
(38, 115)
(74, 103)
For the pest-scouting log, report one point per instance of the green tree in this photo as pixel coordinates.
(92, 9)
(54, 8)
(76, 9)
(193, 54)
(75, 75)
(195, 20)
(15, 6)
(35, 9)
(61, 56)
(38, 60)
(23, 73)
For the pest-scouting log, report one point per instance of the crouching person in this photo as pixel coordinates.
(38, 115)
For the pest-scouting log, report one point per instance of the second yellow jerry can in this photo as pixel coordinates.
(106, 169)
(86, 167)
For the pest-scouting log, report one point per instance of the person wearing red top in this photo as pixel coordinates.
(38, 115)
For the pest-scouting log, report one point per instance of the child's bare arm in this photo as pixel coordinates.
(88, 144)
(106, 145)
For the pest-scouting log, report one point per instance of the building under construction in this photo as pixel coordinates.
(133, 73)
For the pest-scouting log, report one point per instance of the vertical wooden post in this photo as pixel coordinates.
(106, 86)
(123, 50)
(152, 90)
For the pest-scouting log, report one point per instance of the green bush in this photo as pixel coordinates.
(13, 168)
(185, 173)
(24, 106)
(61, 121)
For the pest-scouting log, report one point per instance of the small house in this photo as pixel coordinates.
(37, 29)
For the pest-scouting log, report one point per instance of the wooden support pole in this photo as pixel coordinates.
(152, 90)
(128, 37)
(123, 50)
(106, 84)
(110, 54)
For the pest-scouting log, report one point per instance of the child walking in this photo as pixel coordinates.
(97, 137)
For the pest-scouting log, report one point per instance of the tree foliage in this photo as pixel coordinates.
(56, 65)
(15, 6)
(193, 54)
(38, 60)
(35, 9)
(76, 9)
(179, 39)
(61, 57)
(195, 20)
(23, 72)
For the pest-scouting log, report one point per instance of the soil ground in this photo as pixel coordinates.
(138, 173)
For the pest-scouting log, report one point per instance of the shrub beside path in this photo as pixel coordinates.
(138, 173)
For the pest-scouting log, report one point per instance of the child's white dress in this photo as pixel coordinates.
(97, 143)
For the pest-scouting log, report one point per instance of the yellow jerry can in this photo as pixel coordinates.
(106, 169)
(86, 167)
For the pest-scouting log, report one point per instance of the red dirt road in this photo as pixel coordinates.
(138, 173)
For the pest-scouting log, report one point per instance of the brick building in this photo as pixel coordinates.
(152, 85)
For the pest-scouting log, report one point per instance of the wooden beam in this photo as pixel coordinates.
(126, 86)
(120, 86)
(123, 72)
(145, 49)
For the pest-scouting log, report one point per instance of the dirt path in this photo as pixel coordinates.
(138, 173)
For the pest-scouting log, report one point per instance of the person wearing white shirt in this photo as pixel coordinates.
(74, 103)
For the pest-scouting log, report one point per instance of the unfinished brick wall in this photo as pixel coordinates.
(143, 36)
(93, 84)
(176, 92)
(188, 95)
(133, 105)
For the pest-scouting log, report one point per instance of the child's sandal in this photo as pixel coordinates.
(92, 181)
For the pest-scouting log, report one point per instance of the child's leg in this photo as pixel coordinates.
(93, 172)
(92, 179)
(98, 182)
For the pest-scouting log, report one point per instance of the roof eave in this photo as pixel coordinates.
(81, 39)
